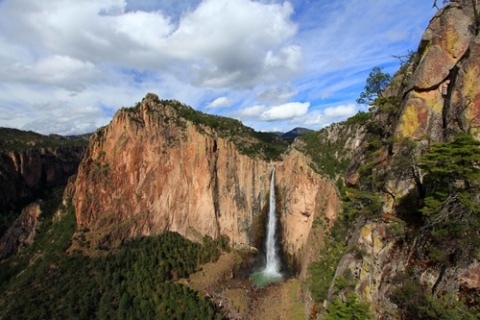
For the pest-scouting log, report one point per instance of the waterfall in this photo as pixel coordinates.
(272, 266)
(271, 272)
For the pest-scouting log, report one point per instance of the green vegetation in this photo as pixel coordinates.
(328, 156)
(408, 63)
(135, 281)
(322, 272)
(416, 302)
(6, 220)
(377, 81)
(18, 140)
(441, 213)
(15, 191)
(328, 148)
(342, 303)
(361, 203)
(360, 118)
(350, 309)
(265, 145)
(452, 204)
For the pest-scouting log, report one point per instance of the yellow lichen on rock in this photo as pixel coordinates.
(409, 122)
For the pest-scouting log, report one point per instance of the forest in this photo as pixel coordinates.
(135, 281)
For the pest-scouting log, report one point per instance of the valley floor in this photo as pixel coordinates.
(238, 299)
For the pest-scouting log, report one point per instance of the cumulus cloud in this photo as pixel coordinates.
(275, 113)
(320, 118)
(341, 111)
(60, 71)
(60, 59)
(82, 49)
(221, 43)
(220, 102)
(237, 43)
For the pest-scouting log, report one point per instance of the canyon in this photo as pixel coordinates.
(162, 166)
(152, 170)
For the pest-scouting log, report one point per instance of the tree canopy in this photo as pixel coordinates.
(377, 81)
(452, 206)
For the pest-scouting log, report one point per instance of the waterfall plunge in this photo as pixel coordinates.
(272, 266)
(271, 273)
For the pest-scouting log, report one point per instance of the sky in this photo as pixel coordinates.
(66, 66)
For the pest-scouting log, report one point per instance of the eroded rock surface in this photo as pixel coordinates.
(152, 170)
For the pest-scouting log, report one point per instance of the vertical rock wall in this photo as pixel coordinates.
(151, 170)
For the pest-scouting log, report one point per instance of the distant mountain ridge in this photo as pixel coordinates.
(294, 133)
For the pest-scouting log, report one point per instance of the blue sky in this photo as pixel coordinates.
(66, 66)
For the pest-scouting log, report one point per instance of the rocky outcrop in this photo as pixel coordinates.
(25, 174)
(440, 99)
(443, 93)
(22, 232)
(152, 169)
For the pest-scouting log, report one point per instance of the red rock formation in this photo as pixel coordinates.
(152, 170)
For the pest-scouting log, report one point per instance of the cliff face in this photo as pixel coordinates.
(153, 170)
(443, 94)
(22, 232)
(440, 99)
(25, 173)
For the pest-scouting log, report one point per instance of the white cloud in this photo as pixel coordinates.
(253, 112)
(58, 117)
(220, 102)
(275, 113)
(320, 118)
(67, 62)
(220, 43)
(276, 94)
(61, 71)
(285, 111)
(341, 111)
(231, 42)
(83, 51)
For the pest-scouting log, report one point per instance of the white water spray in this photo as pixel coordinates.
(272, 266)
(271, 273)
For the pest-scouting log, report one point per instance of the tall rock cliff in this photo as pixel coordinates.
(31, 165)
(164, 166)
(405, 261)
(29, 172)
(442, 96)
